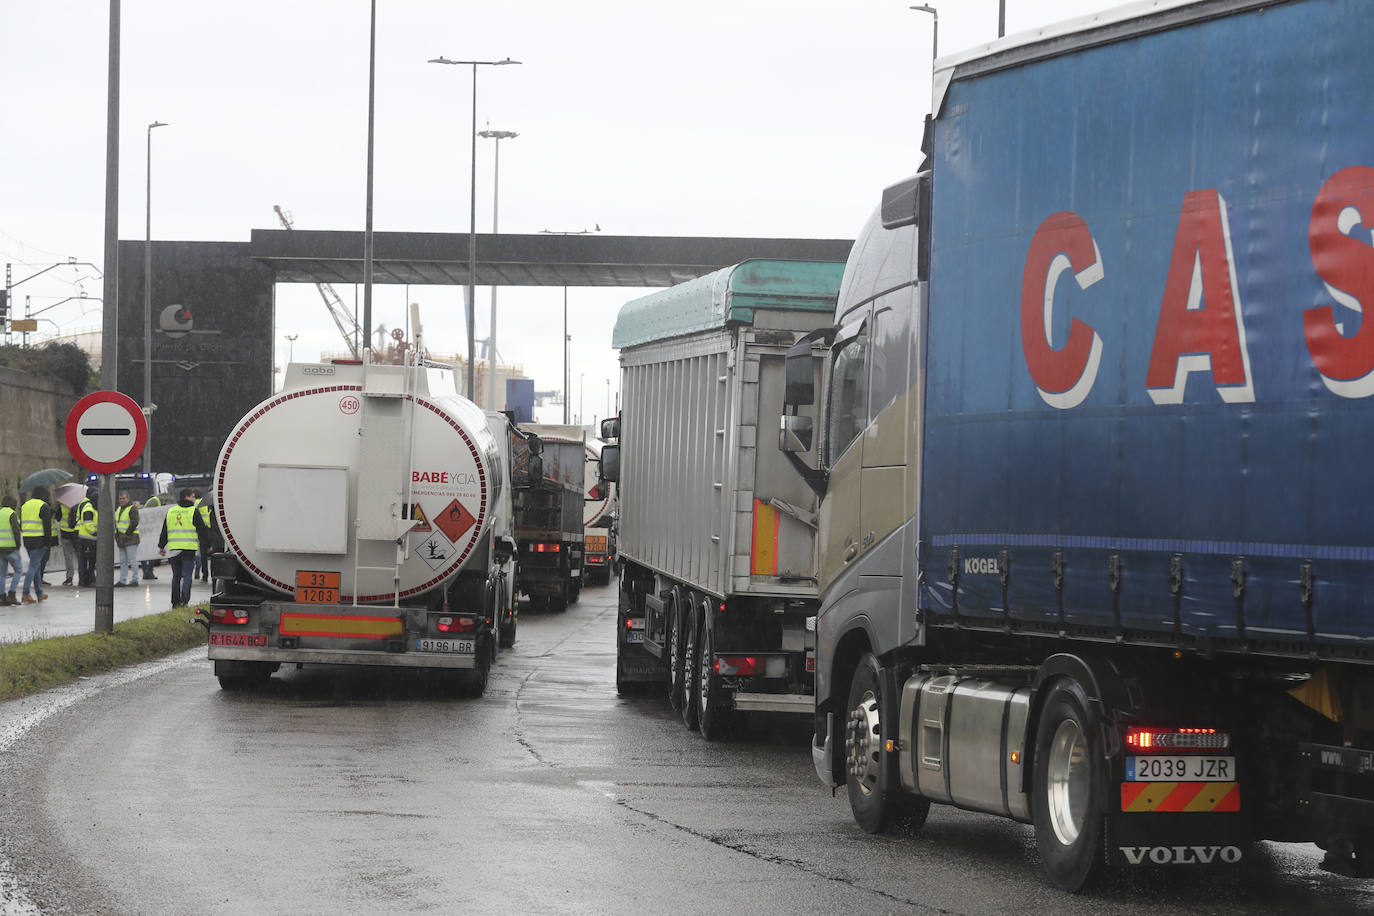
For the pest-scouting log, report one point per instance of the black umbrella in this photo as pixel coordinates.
(44, 478)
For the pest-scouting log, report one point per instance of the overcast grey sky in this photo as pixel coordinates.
(722, 117)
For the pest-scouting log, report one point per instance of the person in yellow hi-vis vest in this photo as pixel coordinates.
(179, 544)
(11, 557)
(87, 522)
(69, 541)
(126, 541)
(36, 526)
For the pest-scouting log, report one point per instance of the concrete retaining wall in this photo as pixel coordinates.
(33, 411)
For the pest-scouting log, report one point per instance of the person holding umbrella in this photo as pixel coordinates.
(35, 522)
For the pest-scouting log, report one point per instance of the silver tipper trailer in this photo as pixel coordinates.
(717, 530)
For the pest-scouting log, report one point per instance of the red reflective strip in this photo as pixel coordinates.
(1181, 796)
(1130, 791)
(1230, 801)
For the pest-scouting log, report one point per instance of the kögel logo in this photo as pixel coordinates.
(1181, 855)
(985, 566)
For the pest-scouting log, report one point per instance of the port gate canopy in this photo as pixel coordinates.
(213, 303)
(542, 259)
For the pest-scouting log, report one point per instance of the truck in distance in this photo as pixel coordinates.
(1095, 548)
(548, 503)
(716, 540)
(366, 516)
(598, 519)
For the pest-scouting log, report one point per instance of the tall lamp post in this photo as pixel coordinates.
(567, 378)
(148, 304)
(934, 29)
(498, 136)
(472, 216)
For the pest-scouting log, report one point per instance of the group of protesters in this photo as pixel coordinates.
(32, 529)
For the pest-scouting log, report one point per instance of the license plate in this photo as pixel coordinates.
(258, 640)
(445, 646)
(634, 636)
(317, 587)
(1181, 768)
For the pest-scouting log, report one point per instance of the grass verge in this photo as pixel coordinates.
(31, 667)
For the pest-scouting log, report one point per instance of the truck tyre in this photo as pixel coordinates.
(1070, 786)
(675, 644)
(474, 682)
(691, 658)
(712, 718)
(864, 731)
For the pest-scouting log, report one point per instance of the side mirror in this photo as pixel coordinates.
(796, 433)
(610, 428)
(609, 468)
(799, 388)
(535, 444)
(536, 469)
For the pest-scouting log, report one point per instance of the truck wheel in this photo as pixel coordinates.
(675, 641)
(574, 592)
(1070, 785)
(873, 811)
(507, 629)
(474, 682)
(713, 718)
(691, 658)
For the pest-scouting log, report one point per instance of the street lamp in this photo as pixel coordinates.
(567, 379)
(290, 348)
(934, 29)
(148, 306)
(472, 216)
(498, 136)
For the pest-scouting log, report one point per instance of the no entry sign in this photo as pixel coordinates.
(106, 431)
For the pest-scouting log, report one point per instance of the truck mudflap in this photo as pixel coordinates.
(1176, 838)
(1335, 785)
(820, 753)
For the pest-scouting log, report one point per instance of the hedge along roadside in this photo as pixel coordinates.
(27, 668)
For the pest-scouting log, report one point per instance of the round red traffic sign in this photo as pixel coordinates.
(106, 431)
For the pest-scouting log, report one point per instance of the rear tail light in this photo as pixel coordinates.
(545, 548)
(739, 664)
(1164, 740)
(456, 624)
(229, 615)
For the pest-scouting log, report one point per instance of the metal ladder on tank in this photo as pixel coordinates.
(378, 463)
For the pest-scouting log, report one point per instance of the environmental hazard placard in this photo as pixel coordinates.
(435, 551)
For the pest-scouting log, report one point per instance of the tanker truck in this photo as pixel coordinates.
(717, 532)
(366, 517)
(1096, 548)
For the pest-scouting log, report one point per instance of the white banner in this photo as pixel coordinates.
(150, 520)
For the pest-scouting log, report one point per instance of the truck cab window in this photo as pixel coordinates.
(891, 346)
(848, 397)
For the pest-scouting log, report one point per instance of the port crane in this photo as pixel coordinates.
(342, 315)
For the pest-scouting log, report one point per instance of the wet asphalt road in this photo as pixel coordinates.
(347, 791)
